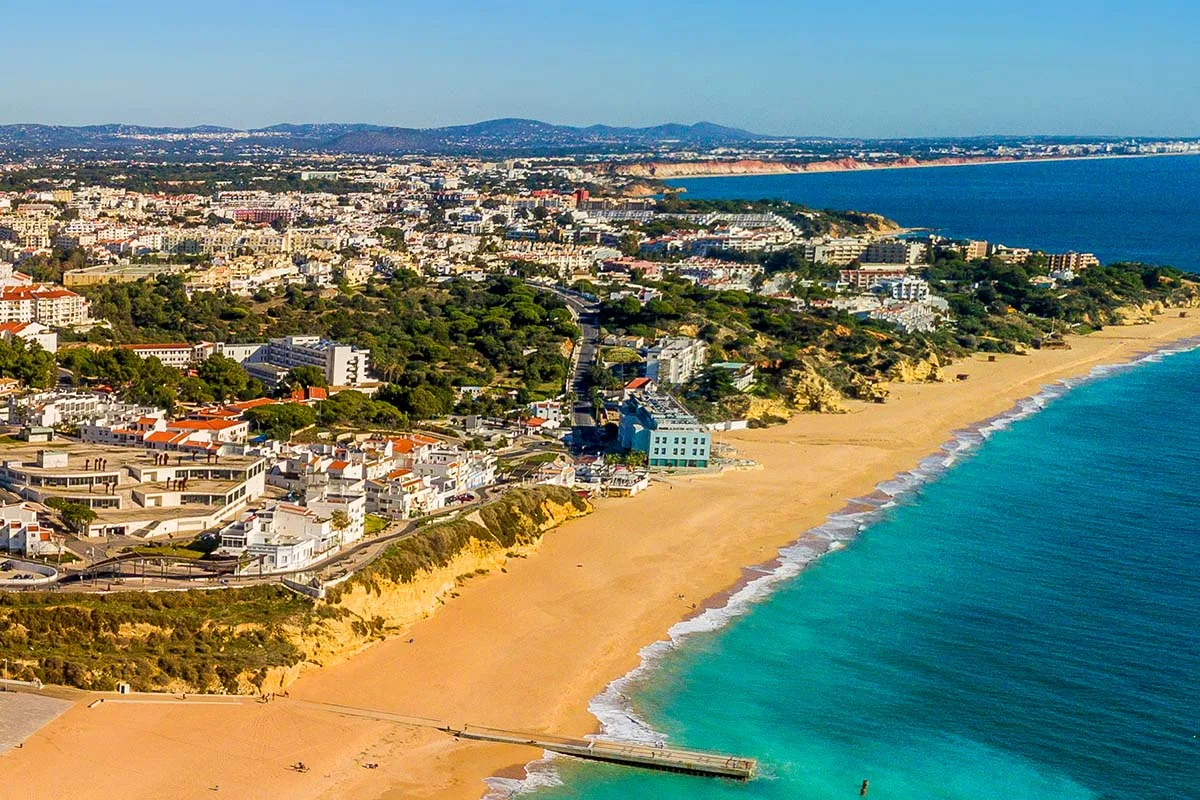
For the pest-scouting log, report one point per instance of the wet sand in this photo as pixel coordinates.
(529, 649)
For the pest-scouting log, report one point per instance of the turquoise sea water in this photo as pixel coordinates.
(1133, 209)
(1023, 625)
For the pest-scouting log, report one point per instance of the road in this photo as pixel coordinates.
(350, 559)
(587, 315)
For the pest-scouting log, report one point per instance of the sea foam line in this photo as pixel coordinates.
(613, 707)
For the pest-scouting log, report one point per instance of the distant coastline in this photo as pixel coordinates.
(666, 171)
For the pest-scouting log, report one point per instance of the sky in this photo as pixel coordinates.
(871, 68)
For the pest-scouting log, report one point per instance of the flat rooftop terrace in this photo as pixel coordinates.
(79, 453)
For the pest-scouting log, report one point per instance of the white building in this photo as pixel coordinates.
(906, 288)
(402, 494)
(179, 356)
(49, 409)
(675, 359)
(549, 410)
(342, 364)
(23, 534)
(50, 305)
(31, 333)
(277, 539)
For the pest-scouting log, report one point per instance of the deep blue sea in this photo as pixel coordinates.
(1132, 209)
(1021, 621)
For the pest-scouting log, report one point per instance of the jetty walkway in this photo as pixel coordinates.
(632, 754)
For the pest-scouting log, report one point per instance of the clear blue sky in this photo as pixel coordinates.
(867, 68)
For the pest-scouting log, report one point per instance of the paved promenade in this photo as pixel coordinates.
(22, 715)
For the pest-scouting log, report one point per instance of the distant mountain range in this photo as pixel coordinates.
(491, 136)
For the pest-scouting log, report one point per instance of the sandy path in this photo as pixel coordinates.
(528, 649)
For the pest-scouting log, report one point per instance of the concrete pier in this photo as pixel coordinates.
(646, 756)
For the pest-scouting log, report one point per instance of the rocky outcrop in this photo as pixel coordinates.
(808, 390)
(871, 391)
(917, 370)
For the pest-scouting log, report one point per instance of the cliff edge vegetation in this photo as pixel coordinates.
(260, 638)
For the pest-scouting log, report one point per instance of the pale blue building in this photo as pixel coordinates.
(656, 424)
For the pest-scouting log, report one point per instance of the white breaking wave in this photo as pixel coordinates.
(613, 707)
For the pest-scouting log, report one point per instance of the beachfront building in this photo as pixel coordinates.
(741, 374)
(278, 538)
(656, 424)
(402, 494)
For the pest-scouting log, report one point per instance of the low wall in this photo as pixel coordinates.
(44, 572)
(315, 592)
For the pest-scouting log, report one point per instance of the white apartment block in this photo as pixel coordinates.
(22, 533)
(49, 409)
(895, 251)
(343, 364)
(838, 252)
(906, 288)
(53, 306)
(675, 359)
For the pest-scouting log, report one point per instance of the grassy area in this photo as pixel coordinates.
(514, 518)
(375, 524)
(620, 355)
(540, 458)
(168, 550)
(202, 638)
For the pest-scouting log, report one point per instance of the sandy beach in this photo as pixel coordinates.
(528, 649)
(668, 171)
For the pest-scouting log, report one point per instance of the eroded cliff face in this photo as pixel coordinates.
(917, 370)
(808, 390)
(379, 603)
(1144, 314)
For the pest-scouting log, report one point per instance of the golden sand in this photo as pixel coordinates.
(528, 649)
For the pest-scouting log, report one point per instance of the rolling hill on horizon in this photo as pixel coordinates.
(506, 135)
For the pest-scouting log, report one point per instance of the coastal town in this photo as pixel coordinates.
(402, 401)
(260, 459)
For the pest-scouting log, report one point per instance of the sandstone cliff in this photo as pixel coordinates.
(808, 390)
(417, 575)
(917, 370)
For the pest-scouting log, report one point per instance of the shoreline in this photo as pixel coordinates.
(578, 614)
(612, 707)
(932, 164)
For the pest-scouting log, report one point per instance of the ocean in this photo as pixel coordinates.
(1023, 625)
(1017, 619)
(1125, 209)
